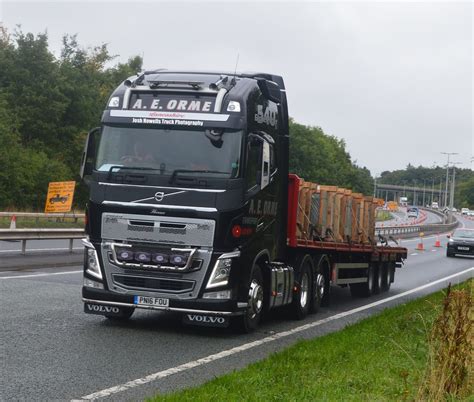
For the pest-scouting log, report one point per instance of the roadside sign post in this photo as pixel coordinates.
(60, 196)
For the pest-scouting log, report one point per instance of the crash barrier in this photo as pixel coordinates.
(24, 235)
(40, 215)
(413, 231)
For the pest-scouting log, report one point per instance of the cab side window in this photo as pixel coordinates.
(254, 163)
(273, 165)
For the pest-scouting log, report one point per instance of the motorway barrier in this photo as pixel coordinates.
(41, 215)
(42, 234)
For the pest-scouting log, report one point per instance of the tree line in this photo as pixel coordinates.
(434, 178)
(48, 103)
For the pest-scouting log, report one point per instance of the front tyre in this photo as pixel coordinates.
(249, 321)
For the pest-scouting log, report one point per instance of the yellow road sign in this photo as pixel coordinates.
(60, 195)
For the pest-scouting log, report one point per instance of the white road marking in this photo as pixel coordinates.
(35, 275)
(225, 353)
(414, 254)
(41, 249)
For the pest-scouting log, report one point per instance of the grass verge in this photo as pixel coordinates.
(385, 357)
(383, 216)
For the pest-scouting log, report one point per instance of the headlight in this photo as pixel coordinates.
(451, 240)
(221, 271)
(91, 260)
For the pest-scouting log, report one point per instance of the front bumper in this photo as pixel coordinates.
(195, 306)
(453, 248)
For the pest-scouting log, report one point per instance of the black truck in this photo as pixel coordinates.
(192, 207)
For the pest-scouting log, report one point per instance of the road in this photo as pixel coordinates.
(401, 218)
(53, 351)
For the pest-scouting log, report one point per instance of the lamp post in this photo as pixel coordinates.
(424, 189)
(414, 192)
(447, 176)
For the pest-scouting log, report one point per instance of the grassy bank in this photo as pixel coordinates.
(381, 358)
(383, 215)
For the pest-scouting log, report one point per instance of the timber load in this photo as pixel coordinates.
(330, 213)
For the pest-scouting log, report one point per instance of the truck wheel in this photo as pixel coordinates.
(302, 298)
(378, 279)
(249, 321)
(125, 314)
(323, 282)
(364, 289)
(386, 277)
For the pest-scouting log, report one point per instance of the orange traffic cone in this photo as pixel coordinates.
(13, 222)
(437, 242)
(420, 245)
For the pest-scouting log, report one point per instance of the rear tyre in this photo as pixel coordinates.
(249, 321)
(386, 282)
(378, 278)
(364, 289)
(125, 314)
(302, 298)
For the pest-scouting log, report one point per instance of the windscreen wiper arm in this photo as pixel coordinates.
(127, 168)
(176, 171)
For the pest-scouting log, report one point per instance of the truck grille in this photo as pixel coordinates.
(157, 284)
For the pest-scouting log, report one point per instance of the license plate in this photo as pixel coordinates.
(463, 248)
(151, 301)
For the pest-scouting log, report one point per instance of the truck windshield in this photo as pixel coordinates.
(209, 153)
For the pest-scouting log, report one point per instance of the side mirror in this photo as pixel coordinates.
(270, 90)
(448, 236)
(88, 155)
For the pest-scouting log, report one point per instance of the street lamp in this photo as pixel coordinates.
(447, 175)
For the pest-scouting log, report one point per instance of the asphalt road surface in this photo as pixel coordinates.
(51, 350)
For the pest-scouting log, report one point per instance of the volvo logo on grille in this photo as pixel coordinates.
(159, 196)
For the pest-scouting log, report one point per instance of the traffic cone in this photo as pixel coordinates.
(13, 222)
(420, 246)
(437, 242)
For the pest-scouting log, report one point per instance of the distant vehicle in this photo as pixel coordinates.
(446, 210)
(461, 242)
(412, 212)
(403, 201)
(464, 211)
(434, 205)
(58, 198)
(470, 213)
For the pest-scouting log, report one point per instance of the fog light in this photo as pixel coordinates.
(220, 295)
(124, 255)
(179, 260)
(89, 283)
(160, 258)
(142, 256)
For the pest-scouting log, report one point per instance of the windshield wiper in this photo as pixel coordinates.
(127, 168)
(176, 171)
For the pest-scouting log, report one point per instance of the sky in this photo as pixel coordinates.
(394, 80)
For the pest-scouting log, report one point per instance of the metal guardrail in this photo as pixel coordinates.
(42, 234)
(406, 231)
(40, 215)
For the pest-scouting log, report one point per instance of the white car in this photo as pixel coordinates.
(464, 211)
(470, 213)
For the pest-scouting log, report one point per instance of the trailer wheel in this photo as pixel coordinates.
(386, 277)
(249, 321)
(364, 289)
(322, 281)
(302, 298)
(378, 278)
(125, 314)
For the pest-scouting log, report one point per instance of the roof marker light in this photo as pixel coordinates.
(114, 101)
(233, 106)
